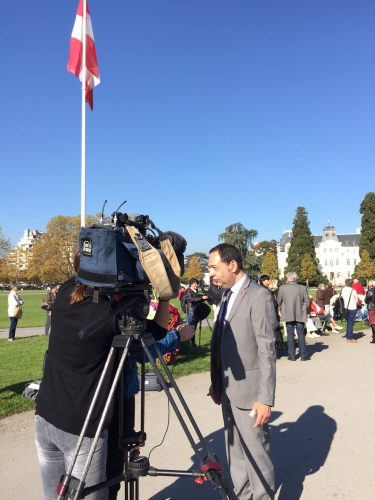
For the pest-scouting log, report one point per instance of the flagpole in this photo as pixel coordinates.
(83, 137)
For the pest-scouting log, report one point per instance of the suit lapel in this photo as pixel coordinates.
(241, 294)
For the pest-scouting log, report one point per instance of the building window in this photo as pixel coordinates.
(325, 250)
(337, 262)
(336, 249)
(348, 274)
(337, 275)
(325, 262)
(331, 263)
(330, 249)
(348, 262)
(355, 262)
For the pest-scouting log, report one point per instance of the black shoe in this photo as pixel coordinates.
(291, 359)
(372, 341)
(306, 359)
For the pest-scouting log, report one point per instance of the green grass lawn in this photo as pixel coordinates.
(32, 315)
(21, 362)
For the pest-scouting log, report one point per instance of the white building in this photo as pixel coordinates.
(28, 239)
(338, 254)
(21, 254)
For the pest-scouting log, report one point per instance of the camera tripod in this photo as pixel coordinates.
(132, 325)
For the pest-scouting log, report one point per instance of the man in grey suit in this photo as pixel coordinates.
(294, 303)
(243, 373)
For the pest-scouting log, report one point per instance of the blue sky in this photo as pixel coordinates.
(208, 113)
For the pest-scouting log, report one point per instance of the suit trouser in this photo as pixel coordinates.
(248, 457)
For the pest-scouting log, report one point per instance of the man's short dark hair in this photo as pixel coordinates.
(228, 253)
(193, 280)
(348, 282)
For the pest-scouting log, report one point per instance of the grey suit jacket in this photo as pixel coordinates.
(294, 302)
(247, 350)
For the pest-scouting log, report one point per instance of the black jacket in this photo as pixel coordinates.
(370, 299)
(192, 300)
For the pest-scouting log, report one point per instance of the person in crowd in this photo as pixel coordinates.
(294, 303)
(329, 292)
(50, 299)
(265, 280)
(361, 297)
(14, 300)
(279, 284)
(71, 374)
(318, 312)
(192, 299)
(350, 299)
(320, 292)
(370, 301)
(181, 292)
(215, 294)
(243, 372)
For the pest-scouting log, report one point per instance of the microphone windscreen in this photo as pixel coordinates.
(201, 312)
(178, 242)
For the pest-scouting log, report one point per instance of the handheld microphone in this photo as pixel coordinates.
(201, 312)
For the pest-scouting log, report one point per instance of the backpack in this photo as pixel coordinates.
(183, 302)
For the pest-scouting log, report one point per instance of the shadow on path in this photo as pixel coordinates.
(186, 488)
(299, 449)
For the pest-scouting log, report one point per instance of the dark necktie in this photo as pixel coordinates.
(222, 315)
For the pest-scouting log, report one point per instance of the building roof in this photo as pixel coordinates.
(346, 239)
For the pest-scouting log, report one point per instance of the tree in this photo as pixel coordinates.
(267, 246)
(367, 240)
(365, 269)
(269, 266)
(4, 245)
(53, 255)
(193, 271)
(302, 243)
(308, 270)
(201, 257)
(242, 238)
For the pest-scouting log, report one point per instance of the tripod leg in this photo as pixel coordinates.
(216, 477)
(81, 484)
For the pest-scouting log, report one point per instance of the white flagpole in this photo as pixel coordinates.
(83, 138)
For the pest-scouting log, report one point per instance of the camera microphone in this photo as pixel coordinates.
(201, 312)
(179, 244)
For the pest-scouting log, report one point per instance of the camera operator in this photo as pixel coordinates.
(73, 368)
(192, 300)
(166, 341)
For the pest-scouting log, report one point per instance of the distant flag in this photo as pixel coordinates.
(92, 77)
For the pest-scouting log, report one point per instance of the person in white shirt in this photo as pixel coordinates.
(13, 300)
(350, 303)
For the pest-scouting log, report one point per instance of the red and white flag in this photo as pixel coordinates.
(91, 73)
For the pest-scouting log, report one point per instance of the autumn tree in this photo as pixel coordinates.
(365, 269)
(308, 270)
(367, 240)
(201, 257)
(302, 243)
(194, 270)
(53, 255)
(270, 266)
(4, 245)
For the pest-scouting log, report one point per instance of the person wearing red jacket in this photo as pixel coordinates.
(358, 287)
(319, 312)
